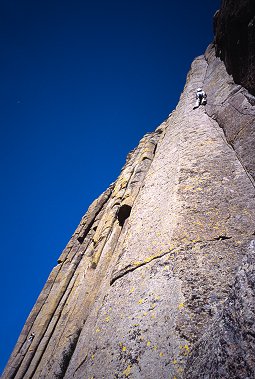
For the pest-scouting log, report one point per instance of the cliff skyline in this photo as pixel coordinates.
(57, 155)
(158, 278)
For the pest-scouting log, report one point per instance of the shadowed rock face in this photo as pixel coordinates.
(158, 279)
(234, 27)
(226, 350)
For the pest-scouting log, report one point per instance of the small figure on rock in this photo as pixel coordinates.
(200, 98)
(31, 337)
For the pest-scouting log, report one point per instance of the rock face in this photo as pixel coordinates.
(234, 27)
(158, 280)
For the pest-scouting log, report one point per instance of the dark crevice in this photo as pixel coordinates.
(67, 355)
(125, 271)
(221, 238)
(130, 268)
(82, 362)
(155, 149)
(124, 213)
(144, 158)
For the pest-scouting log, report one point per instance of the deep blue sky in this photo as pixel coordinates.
(81, 81)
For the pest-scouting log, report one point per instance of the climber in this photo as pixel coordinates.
(200, 98)
(31, 337)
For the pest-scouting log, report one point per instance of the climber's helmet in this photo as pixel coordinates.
(199, 89)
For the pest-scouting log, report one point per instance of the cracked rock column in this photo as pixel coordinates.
(189, 230)
(158, 279)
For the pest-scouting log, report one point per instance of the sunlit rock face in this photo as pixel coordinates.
(158, 279)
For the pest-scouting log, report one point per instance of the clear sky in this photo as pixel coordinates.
(81, 82)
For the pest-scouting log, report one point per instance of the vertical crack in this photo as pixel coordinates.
(231, 147)
(52, 332)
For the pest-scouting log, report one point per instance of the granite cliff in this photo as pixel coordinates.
(158, 279)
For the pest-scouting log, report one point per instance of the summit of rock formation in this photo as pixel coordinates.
(158, 280)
